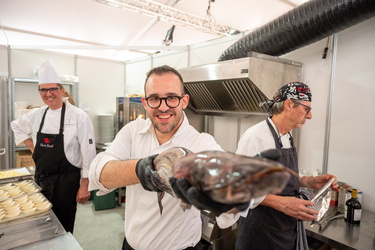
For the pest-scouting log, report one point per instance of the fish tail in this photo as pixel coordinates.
(160, 197)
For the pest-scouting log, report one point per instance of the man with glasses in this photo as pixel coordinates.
(61, 138)
(127, 162)
(276, 223)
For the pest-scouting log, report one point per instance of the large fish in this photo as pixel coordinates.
(225, 177)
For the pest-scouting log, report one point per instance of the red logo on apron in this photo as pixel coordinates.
(46, 140)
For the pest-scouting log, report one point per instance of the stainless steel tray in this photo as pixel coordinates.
(29, 203)
(18, 174)
(29, 230)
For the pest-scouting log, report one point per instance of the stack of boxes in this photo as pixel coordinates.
(344, 194)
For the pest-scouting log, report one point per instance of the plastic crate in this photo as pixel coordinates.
(103, 202)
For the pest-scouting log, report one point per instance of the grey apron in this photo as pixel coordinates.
(265, 227)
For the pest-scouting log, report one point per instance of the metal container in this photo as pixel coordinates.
(127, 110)
(30, 230)
(221, 239)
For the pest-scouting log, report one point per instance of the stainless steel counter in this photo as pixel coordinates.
(64, 241)
(342, 235)
(29, 230)
(38, 231)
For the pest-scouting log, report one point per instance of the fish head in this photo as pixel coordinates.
(164, 167)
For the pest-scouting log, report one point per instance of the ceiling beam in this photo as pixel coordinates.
(98, 47)
(171, 15)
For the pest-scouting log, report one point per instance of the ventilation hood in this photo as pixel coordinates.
(237, 87)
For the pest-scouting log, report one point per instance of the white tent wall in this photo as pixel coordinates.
(23, 62)
(22, 65)
(352, 135)
(316, 73)
(350, 142)
(202, 53)
(100, 81)
(3, 61)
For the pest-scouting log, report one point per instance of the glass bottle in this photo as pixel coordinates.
(353, 209)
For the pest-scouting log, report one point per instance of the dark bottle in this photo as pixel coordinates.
(353, 209)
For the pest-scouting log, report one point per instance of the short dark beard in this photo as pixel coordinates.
(172, 127)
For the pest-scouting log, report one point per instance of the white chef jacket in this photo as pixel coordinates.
(253, 141)
(79, 141)
(145, 228)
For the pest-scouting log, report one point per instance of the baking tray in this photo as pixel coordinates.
(25, 187)
(17, 174)
(24, 205)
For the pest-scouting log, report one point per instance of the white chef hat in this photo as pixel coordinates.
(46, 73)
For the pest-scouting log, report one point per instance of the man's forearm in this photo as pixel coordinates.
(305, 181)
(30, 144)
(271, 200)
(117, 174)
(85, 182)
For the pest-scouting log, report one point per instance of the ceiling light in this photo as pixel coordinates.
(169, 37)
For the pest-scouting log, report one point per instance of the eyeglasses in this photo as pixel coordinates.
(51, 90)
(307, 108)
(154, 102)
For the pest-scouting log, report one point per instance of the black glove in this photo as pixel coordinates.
(191, 195)
(270, 154)
(144, 169)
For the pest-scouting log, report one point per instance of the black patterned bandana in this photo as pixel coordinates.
(293, 91)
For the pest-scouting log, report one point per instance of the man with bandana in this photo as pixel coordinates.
(276, 223)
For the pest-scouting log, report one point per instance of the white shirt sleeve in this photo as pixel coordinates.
(86, 143)
(226, 220)
(118, 150)
(24, 128)
(96, 168)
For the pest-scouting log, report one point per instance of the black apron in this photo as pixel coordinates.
(57, 177)
(268, 228)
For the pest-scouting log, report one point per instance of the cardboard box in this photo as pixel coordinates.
(24, 159)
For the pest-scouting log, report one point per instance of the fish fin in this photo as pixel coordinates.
(160, 197)
(184, 205)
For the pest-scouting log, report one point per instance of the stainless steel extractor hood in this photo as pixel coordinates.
(236, 87)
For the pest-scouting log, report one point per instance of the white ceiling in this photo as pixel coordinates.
(74, 25)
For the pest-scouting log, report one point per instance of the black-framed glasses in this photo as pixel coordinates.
(154, 102)
(51, 90)
(307, 108)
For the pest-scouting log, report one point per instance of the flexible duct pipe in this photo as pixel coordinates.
(304, 25)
